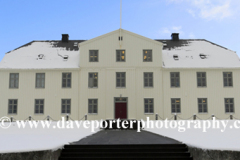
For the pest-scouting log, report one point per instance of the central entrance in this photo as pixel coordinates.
(120, 108)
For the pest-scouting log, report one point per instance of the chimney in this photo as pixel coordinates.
(65, 37)
(175, 36)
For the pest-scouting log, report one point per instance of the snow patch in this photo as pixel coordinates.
(15, 140)
(213, 139)
(28, 57)
(189, 56)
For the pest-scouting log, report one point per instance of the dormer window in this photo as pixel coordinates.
(202, 56)
(175, 57)
(65, 57)
(75, 44)
(40, 56)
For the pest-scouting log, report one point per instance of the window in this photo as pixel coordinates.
(93, 80)
(202, 105)
(201, 79)
(147, 55)
(227, 79)
(148, 105)
(40, 80)
(12, 106)
(148, 79)
(176, 105)
(66, 80)
(92, 105)
(66, 106)
(121, 99)
(93, 55)
(39, 106)
(14, 80)
(120, 79)
(175, 57)
(175, 79)
(229, 105)
(121, 56)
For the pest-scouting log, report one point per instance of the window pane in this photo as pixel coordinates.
(146, 109)
(93, 55)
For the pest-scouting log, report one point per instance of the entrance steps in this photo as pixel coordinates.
(126, 152)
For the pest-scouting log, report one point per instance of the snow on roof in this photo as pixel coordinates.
(176, 54)
(197, 54)
(42, 55)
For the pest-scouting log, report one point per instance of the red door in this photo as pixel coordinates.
(121, 110)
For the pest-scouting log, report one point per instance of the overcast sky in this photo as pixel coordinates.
(24, 21)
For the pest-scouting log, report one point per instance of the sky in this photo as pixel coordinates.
(24, 21)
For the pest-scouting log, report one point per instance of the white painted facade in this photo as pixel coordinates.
(106, 67)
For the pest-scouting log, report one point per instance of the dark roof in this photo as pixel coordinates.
(58, 44)
(170, 44)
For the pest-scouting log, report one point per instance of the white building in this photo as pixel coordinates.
(120, 75)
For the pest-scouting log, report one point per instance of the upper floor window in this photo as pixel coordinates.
(93, 55)
(202, 105)
(229, 105)
(201, 79)
(120, 79)
(66, 106)
(40, 80)
(148, 79)
(66, 80)
(121, 56)
(175, 79)
(39, 106)
(147, 55)
(176, 105)
(14, 80)
(148, 105)
(93, 80)
(12, 106)
(227, 79)
(92, 105)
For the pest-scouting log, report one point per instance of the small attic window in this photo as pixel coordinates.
(203, 56)
(75, 44)
(40, 56)
(65, 57)
(175, 57)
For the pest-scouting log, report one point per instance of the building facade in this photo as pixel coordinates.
(120, 75)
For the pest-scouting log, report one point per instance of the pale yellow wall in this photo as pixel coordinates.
(107, 90)
(215, 92)
(107, 68)
(27, 93)
(109, 43)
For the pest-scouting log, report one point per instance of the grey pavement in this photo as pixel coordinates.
(125, 137)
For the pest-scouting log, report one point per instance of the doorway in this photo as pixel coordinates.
(120, 108)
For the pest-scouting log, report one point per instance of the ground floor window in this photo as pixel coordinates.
(202, 105)
(176, 105)
(39, 106)
(229, 105)
(92, 105)
(12, 106)
(66, 106)
(148, 105)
